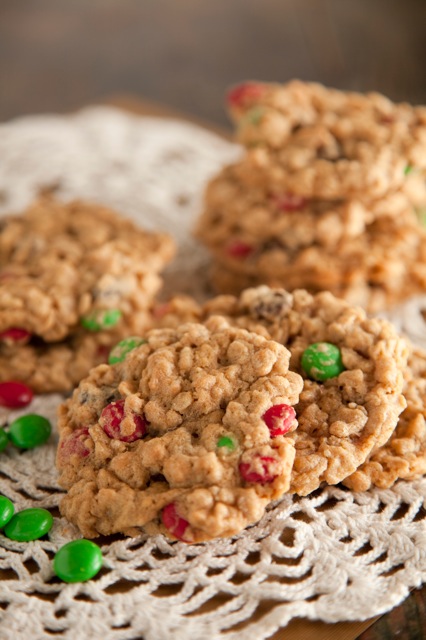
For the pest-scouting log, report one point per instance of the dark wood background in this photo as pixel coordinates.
(58, 55)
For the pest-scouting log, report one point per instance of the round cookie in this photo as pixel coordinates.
(404, 454)
(372, 254)
(318, 142)
(67, 265)
(344, 418)
(186, 436)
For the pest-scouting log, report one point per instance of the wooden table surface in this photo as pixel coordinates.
(58, 56)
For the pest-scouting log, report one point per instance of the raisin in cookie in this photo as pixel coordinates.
(319, 142)
(404, 454)
(352, 368)
(188, 435)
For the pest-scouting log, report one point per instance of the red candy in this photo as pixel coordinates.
(279, 419)
(160, 310)
(239, 249)
(111, 419)
(74, 444)
(244, 95)
(289, 202)
(259, 470)
(173, 522)
(14, 335)
(15, 395)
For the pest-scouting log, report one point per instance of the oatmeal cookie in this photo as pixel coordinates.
(346, 416)
(404, 454)
(188, 435)
(67, 265)
(318, 142)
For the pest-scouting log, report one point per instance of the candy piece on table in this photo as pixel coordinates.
(4, 440)
(29, 524)
(259, 470)
(321, 361)
(6, 511)
(15, 335)
(29, 431)
(173, 522)
(122, 348)
(78, 561)
(101, 319)
(111, 418)
(226, 442)
(15, 395)
(279, 419)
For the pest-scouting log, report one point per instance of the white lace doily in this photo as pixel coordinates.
(332, 556)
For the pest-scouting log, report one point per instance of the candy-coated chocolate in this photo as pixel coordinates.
(29, 431)
(173, 522)
(78, 561)
(15, 335)
(289, 202)
(15, 395)
(29, 524)
(101, 319)
(321, 361)
(4, 440)
(239, 249)
(259, 470)
(122, 348)
(74, 444)
(279, 419)
(227, 442)
(112, 417)
(6, 511)
(243, 95)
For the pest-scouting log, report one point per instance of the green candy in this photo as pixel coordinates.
(6, 511)
(226, 441)
(421, 216)
(101, 319)
(322, 361)
(77, 561)
(4, 440)
(408, 169)
(122, 348)
(29, 524)
(29, 431)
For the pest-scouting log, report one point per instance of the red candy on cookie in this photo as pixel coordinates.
(74, 444)
(289, 202)
(244, 95)
(15, 335)
(279, 419)
(259, 470)
(173, 522)
(239, 249)
(111, 419)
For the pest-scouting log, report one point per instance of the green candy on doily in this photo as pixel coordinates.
(78, 561)
(322, 361)
(29, 431)
(29, 524)
(6, 511)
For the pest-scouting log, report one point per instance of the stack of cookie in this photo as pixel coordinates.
(329, 195)
(229, 405)
(74, 279)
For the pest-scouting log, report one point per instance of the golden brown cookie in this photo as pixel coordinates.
(404, 454)
(346, 416)
(188, 435)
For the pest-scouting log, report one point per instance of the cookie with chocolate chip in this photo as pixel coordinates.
(188, 434)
